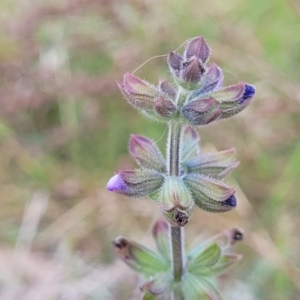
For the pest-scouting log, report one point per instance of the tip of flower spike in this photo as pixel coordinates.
(231, 201)
(115, 183)
(248, 93)
(197, 47)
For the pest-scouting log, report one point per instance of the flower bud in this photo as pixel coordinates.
(229, 96)
(201, 112)
(217, 164)
(138, 93)
(233, 99)
(197, 47)
(139, 257)
(192, 71)
(146, 153)
(166, 88)
(135, 183)
(136, 86)
(213, 79)
(176, 201)
(174, 62)
(165, 108)
(210, 194)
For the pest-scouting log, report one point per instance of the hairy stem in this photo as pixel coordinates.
(176, 233)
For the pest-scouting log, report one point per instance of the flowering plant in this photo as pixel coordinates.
(185, 177)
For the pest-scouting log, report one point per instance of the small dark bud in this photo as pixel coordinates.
(235, 236)
(181, 217)
(248, 93)
(120, 242)
(231, 201)
(121, 247)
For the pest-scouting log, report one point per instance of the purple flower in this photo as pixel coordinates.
(199, 181)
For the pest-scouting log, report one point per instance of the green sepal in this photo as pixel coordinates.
(159, 287)
(194, 288)
(189, 144)
(203, 258)
(161, 235)
(139, 258)
(225, 263)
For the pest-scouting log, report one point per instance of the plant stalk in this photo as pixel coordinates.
(176, 233)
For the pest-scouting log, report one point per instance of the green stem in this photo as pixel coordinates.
(176, 233)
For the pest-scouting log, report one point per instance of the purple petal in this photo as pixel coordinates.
(135, 183)
(116, 184)
(248, 93)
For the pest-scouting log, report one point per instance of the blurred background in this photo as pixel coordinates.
(64, 130)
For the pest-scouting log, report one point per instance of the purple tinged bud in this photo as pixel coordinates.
(135, 85)
(138, 101)
(138, 93)
(248, 93)
(197, 47)
(213, 79)
(237, 104)
(116, 184)
(201, 112)
(230, 95)
(167, 88)
(146, 153)
(200, 106)
(135, 183)
(164, 107)
(192, 71)
(174, 62)
(210, 194)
